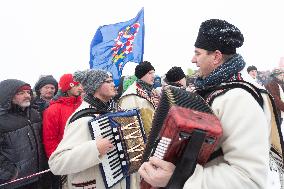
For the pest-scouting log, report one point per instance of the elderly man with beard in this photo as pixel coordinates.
(21, 149)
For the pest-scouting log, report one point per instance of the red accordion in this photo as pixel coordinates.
(185, 131)
(177, 132)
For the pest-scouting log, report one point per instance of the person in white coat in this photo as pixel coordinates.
(78, 156)
(244, 160)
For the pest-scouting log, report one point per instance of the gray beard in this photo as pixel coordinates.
(25, 104)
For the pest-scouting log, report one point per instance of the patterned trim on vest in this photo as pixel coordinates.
(142, 93)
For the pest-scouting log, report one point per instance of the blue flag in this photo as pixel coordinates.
(116, 44)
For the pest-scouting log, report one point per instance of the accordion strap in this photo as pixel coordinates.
(216, 154)
(185, 167)
(84, 113)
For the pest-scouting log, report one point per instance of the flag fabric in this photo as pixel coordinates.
(116, 44)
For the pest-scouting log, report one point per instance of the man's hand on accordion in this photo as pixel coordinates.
(156, 172)
(104, 145)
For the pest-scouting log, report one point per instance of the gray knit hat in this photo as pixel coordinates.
(91, 79)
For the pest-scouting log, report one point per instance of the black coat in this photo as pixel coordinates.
(21, 149)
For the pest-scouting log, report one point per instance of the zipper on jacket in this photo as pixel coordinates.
(36, 142)
(30, 140)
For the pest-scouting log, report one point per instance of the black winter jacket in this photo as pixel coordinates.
(21, 149)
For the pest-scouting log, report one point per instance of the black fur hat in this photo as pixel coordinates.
(143, 68)
(175, 74)
(219, 35)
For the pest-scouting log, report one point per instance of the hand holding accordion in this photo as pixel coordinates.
(123, 132)
(184, 131)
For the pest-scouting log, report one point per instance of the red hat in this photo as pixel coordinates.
(24, 87)
(66, 82)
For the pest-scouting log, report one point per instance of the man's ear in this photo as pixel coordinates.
(217, 58)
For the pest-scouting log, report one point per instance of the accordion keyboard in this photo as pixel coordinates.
(111, 162)
(162, 147)
(125, 130)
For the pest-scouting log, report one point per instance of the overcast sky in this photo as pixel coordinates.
(53, 36)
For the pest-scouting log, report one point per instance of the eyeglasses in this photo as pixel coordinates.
(108, 81)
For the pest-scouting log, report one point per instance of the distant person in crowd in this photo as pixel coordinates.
(45, 88)
(244, 123)
(67, 100)
(263, 78)
(128, 81)
(141, 94)
(252, 71)
(176, 77)
(190, 83)
(256, 78)
(157, 82)
(275, 88)
(21, 149)
(77, 155)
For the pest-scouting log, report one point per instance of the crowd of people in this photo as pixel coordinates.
(46, 127)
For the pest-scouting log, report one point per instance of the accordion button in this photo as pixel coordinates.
(121, 156)
(119, 147)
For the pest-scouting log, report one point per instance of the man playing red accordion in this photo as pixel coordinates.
(245, 143)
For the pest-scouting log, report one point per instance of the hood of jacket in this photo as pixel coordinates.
(8, 89)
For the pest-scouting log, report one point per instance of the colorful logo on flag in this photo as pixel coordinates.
(115, 45)
(124, 44)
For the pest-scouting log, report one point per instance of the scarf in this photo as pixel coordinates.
(225, 72)
(145, 90)
(98, 104)
(145, 86)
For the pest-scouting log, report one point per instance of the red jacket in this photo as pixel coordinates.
(54, 120)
